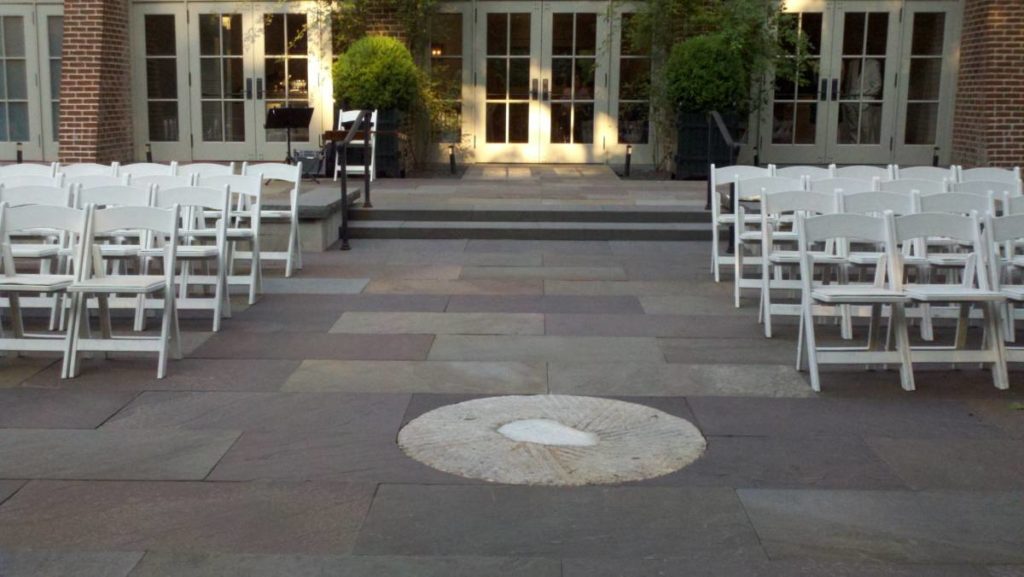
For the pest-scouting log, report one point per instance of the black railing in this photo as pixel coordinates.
(734, 147)
(361, 124)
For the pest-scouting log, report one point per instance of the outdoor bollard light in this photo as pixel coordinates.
(17, 155)
(451, 157)
(629, 157)
(149, 152)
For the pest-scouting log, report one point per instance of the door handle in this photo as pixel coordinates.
(248, 88)
(835, 89)
(823, 90)
(259, 89)
(545, 94)
(533, 89)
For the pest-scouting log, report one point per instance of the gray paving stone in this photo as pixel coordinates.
(457, 287)
(14, 371)
(755, 350)
(722, 565)
(419, 377)
(185, 374)
(43, 409)
(89, 454)
(980, 465)
(661, 379)
(1007, 571)
(467, 258)
(545, 304)
(8, 488)
(1005, 414)
(66, 564)
(605, 325)
(545, 272)
(324, 412)
(440, 323)
(544, 348)
(822, 417)
(289, 518)
(559, 246)
(895, 526)
(613, 288)
(309, 307)
(378, 271)
(299, 346)
(689, 304)
(214, 565)
(312, 285)
(546, 522)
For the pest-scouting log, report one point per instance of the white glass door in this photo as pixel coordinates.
(161, 82)
(19, 92)
(50, 19)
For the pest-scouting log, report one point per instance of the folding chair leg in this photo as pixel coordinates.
(737, 272)
(1000, 378)
(766, 297)
(714, 252)
(963, 321)
(800, 343)
(17, 322)
(288, 264)
(80, 320)
(166, 332)
(70, 347)
(898, 319)
(812, 352)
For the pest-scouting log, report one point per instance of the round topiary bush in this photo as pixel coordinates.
(707, 73)
(376, 72)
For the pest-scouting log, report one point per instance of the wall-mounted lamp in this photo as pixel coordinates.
(18, 154)
(629, 157)
(436, 50)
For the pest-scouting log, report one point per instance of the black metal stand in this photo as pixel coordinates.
(288, 119)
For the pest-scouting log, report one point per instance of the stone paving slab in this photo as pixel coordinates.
(545, 304)
(312, 285)
(755, 350)
(906, 417)
(545, 272)
(419, 377)
(894, 526)
(323, 310)
(457, 287)
(521, 246)
(687, 304)
(307, 412)
(135, 455)
(546, 522)
(661, 379)
(187, 374)
(544, 348)
(380, 271)
(727, 566)
(608, 325)
(69, 564)
(1007, 415)
(42, 409)
(1007, 571)
(440, 323)
(216, 565)
(292, 518)
(985, 465)
(8, 488)
(467, 258)
(298, 346)
(614, 288)
(14, 371)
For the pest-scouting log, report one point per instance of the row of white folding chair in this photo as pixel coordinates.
(1004, 235)
(889, 289)
(291, 174)
(87, 278)
(144, 169)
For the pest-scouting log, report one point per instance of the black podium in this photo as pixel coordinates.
(289, 119)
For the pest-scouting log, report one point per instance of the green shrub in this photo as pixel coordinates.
(707, 73)
(377, 72)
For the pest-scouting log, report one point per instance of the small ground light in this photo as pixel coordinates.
(451, 157)
(149, 152)
(18, 154)
(629, 157)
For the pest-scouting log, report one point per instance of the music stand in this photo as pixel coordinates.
(289, 119)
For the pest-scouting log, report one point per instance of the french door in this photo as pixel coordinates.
(542, 80)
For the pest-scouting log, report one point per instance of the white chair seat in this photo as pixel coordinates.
(727, 218)
(35, 282)
(275, 214)
(188, 251)
(956, 259)
(34, 250)
(840, 294)
(119, 250)
(793, 257)
(781, 236)
(864, 258)
(232, 233)
(950, 293)
(120, 284)
(1014, 293)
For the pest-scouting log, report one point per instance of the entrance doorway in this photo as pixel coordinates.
(879, 87)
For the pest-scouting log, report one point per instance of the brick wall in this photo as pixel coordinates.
(95, 103)
(988, 123)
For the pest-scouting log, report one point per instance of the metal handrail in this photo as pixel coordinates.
(342, 148)
(734, 148)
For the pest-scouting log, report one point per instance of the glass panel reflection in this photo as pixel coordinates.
(519, 122)
(922, 118)
(583, 124)
(495, 122)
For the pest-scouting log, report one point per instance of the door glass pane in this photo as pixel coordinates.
(583, 80)
(519, 122)
(162, 77)
(878, 33)
(634, 122)
(298, 74)
(209, 78)
(561, 78)
(163, 121)
(562, 31)
(17, 87)
(55, 34)
(160, 38)
(925, 77)
(795, 109)
(497, 34)
(929, 28)
(3, 123)
(561, 122)
(519, 78)
(213, 121)
(782, 123)
(586, 34)
(497, 78)
(18, 114)
(583, 123)
(277, 77)
(634, 78)
(870, 123)
(14, 37)
(446, 35)
(209, 34)
(234, 78)
(853, 33)
(234, 121)
(519, 34)
(806, 123)
(273, 34)
(298, 43)
(231, 28)
(496, 122)
(921, 121)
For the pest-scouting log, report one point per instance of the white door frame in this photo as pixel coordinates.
(43, 14)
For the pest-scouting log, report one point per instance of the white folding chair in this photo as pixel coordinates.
(990, 174)
(196, 204)
(97, 180)
(747, 232)
(973, 290)
(87, 168)
(243, 226)
(936, 173)
(912, 185)
(775, 207)
(726, 176)
(843, 184)
(348, 117)
(291, 174)
(205, 169)
(28, 169)
(163, 181)
(986, 188)
(138, 169)
(811, 172)
(69, 221)
(160, 222)
(846, 228)
(1006, 271)
(865, 172)
(32, 180)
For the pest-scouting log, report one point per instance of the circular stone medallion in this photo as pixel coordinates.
(552, 440)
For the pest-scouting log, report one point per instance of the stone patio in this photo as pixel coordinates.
(270, 450)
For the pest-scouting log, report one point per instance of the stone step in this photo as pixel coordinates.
(557, 214)
(529, 230)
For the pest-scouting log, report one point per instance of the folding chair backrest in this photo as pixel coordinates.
(855, 227)
(148, 169)
(791, 201)
(730, 174)
(25, 180)
(811, 172)
(39, 195)
(1013, 204)
(98, 180)
(35, 217)
(49, 170)
(212, 198)
(757, 187)
(876, 203)
(936, 224)
(1005, 228)
(206, 169)
(957, 203)
(118, 195)
(88, 168)
(936, 173)
(864, 172)
(164, 181)
(162, 221)
(248, 185)
(274, 171)
(987, 187)
(990, 173)
(908, 185)
(842, 184)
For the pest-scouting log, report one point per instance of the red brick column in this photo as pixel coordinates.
(988, 123)
(95, 102)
